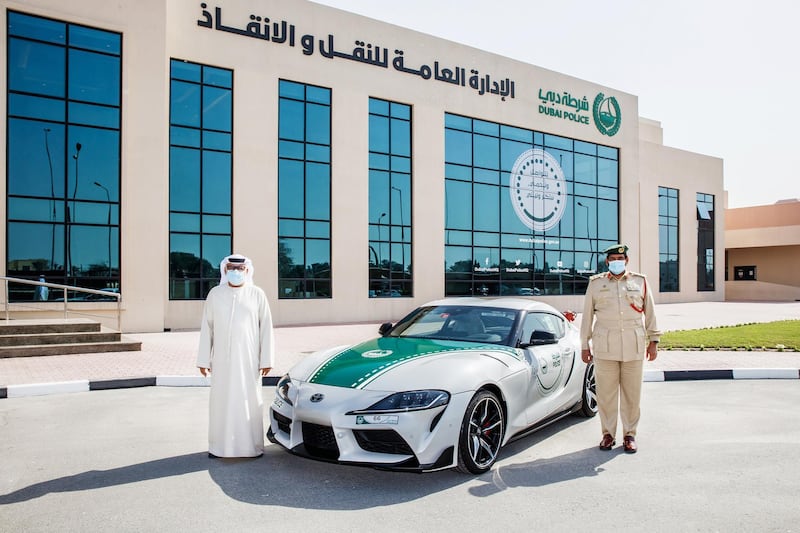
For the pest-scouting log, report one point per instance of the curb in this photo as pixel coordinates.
(736, 373)
(42, 389)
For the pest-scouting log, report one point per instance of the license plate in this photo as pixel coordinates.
(377, 419)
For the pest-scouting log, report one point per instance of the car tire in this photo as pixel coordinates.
(481, 434)
(589, 396)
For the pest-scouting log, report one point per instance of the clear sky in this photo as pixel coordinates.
(722, 76)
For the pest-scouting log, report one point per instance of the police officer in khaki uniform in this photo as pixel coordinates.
(619, 319)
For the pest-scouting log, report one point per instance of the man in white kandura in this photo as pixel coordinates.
(237, 347)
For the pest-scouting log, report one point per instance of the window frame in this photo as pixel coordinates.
(77, 131)
(590, 224)
(311, 281)
(213, 223)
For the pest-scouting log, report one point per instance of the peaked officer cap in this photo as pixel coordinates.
(616, 249)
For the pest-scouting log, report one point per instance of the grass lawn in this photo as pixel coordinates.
(783, 336)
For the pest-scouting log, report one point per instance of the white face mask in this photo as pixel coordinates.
(235, 277)
(616, 267)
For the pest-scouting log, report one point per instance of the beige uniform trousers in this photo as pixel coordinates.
(619, 389)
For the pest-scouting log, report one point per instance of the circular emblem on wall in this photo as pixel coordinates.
(538, 189)
(375, 354)
(607, 115)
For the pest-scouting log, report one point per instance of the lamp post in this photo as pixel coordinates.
(402, 229)
(591, 257)
(52, 199)
(587, 218)
(71, 212)
(380, 241)
(108, 222)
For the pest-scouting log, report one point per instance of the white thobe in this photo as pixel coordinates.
(236, 341)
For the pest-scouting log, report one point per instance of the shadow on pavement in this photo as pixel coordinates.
(275, 479)
(541, 472)
(283, 480)
(97, 479)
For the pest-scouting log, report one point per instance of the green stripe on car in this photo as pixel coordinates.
(356, 366)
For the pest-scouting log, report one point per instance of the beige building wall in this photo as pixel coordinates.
(690, 173)
(144, 188)
(155, 31)
(768, 238)
(257, 67)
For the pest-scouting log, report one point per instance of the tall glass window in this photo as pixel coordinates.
(525, 212)
(63, 147)
(200, 176)
(705, 242)
(668, 240)
(389, 199)
(304, 191)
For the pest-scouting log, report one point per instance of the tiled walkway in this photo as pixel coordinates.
(173, 353)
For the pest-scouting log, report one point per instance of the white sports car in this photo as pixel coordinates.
(447, 386)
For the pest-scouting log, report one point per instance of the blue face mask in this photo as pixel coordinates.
(235, 277)
(616, 267)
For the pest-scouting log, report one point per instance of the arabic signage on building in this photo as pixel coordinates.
(605, 112)
(284, 33)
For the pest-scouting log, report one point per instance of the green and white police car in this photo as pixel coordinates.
(445, 387)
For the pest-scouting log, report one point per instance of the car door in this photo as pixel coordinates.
(551, 356)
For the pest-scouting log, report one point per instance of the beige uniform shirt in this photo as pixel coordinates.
(618, 317)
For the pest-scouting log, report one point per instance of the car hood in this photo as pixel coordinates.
(358, 366)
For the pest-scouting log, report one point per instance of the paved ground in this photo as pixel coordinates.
(714, 456)
(170, 356)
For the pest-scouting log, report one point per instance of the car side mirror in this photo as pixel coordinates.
(385, 328)
(540, 338)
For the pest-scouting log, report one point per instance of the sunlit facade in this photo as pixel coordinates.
(365, 168)
(63, 137)
(762, 251)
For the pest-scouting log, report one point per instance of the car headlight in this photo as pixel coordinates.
(283, 387)
(407, 401)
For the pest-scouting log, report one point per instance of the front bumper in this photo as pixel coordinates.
(416, 441)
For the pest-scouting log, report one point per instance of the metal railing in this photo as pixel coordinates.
(106, 294)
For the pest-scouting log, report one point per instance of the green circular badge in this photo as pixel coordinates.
(607, 115)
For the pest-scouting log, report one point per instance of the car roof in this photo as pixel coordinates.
(499, 303)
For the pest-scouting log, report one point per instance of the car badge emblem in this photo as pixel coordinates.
(375, 354)
(316, 398)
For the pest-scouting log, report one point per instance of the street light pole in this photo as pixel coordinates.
(587, 218)
(71, 212)
(402, 230)
(108, 222)
(380, 242)
(52, 199)
(591, 257)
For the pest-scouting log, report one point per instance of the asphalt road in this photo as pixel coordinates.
(714, 456)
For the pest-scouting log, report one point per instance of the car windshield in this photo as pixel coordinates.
(460, 323)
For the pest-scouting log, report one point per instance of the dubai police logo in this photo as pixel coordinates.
(375, 354)
(538, 189)
(607, 115)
